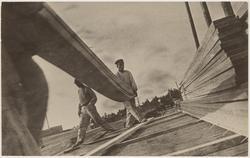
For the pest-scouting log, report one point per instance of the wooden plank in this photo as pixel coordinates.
(58, 43)
(164, 125)
(233, 151)
(242, 11)
(167, 143)
(217, 112)
(224, 34)
(220, 57)
(237, 42)
(165, 119)
(230, 30)
(232, 116)
(243, 154)
(213, 88)
(201, 52)
(101, 149)
(223, 22)
(239, 56)
(215, 50)
(86, 148)
(204, 149)
(168, 116)
(193, 111)
(221, 82)
(237, 50)
(155, 134)
(208, 34)
(233, 94)
(211, 73)
(204, 108)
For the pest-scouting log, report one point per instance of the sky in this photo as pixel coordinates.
(154, 39)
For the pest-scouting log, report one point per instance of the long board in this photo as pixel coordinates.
(48, 36)
(104, 147)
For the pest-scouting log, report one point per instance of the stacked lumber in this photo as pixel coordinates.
(181, 134)
(216, 83)
(220, 63)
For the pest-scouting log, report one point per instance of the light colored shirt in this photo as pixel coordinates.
(86, 96)
(127, 78)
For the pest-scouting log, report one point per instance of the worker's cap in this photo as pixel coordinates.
(119, 61)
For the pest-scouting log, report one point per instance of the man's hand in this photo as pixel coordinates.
(135, 92)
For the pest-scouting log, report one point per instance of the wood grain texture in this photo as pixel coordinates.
(104, 147)
(237, 150)
(179, 139)
(210, 147)
(220, 63)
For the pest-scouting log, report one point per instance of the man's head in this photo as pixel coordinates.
(120, 65)
(78, 83)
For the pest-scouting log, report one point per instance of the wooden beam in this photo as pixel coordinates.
(242, 11)
(206, 13)
(165, 116)
(159, 133)
(182, 152)
(102, 148)
(233, 151)
(227, 8)
(170, 118)
(192, 25)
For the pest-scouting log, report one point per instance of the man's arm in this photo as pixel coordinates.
(92, 96)
(79, 105)
(133, 84)
(79, 109)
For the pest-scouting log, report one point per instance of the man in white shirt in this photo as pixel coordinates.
(127, 78)
(87, 110)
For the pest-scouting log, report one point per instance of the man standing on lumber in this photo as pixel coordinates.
(87, 110)
(128, 79)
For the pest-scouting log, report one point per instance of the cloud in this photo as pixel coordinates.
(157, 51)
(108, 59)
(159, 76)
(85, 31)
(147, 91)
(70, 7)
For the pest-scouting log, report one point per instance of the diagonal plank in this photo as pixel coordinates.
(183, 152)
(101, 149)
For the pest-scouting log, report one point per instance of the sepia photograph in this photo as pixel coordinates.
(127, 78)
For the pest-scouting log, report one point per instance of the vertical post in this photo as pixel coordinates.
(227, 8)
(206, 13)
(192, 25)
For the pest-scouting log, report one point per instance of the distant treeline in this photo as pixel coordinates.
(153, 107)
